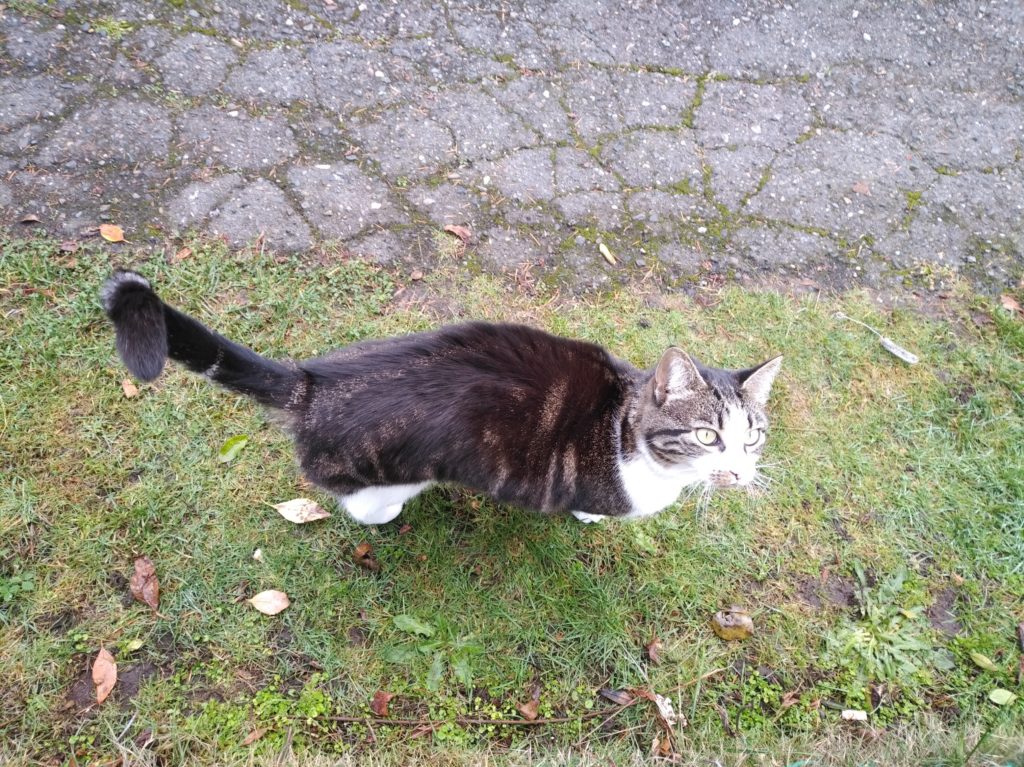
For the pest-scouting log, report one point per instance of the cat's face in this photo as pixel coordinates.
(706, 423)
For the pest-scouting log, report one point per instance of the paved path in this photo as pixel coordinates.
(851, 142)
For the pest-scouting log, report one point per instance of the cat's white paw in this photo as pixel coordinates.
(378, 505)
(588, 519)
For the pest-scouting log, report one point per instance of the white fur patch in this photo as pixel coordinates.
(377, 505)
(650, 486)
(211, 372)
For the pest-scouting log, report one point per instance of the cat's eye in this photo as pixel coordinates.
(706, 436)
(753, 437)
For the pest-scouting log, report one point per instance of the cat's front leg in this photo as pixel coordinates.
(378, 505)
(588, 519)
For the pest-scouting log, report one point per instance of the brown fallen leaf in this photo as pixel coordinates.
(301, 510)
(1010, 303)
(654, 651)
(406, 528)
(144, 584)
(270, 602)
(112, 233)
(790, 698)
(253, 736)
(667, 716)
(416, 275)
(379, 704)
(1020, 636)
(662, 746)
(29, 218)
(861, 187)
(69, 246)
(732, 624)
(182, 254)
(528, 709)
(362, 555)
(461, 232)
(130, 390)
(619, 697)
(104, 674)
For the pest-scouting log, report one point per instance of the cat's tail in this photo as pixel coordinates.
(149, 331)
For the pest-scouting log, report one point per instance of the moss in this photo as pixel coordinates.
(690, 118)
(115, 29)
(683, 187)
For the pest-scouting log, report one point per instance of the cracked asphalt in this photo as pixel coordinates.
(876, 144)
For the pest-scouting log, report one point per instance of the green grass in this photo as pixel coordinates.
(902, 484)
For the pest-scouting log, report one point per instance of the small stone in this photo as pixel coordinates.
(416, 276)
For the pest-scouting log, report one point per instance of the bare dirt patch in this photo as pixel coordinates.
(941, 614)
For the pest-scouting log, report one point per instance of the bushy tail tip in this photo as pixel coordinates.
(138, 316)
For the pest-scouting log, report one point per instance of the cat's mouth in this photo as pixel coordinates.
(722, 479)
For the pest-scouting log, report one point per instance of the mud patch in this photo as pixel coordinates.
(57, 623)
(131, 679)
(82, 693)
(941, 614)
(834, 590)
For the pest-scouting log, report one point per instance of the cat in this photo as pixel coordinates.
(547, 423)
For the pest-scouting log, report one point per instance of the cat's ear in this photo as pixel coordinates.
(756, 382)
(676, 374)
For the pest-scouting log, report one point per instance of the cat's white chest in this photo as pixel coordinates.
(649, 487)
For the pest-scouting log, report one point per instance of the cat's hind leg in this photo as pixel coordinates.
(377, 505)
(588, 519)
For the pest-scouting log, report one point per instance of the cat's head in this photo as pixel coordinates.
(705, 422)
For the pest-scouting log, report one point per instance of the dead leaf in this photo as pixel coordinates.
(363, 556)
(607, 254)
(618, 697)
(416, 276)
(301, 510)
(29, 218)
(144, 584)
(181, 255)
(861, 187)
(1009, 303)
(662, 746)
(112, 233)
(130, 390)
(790, 698)
(405, 529)
(69, 246)
(654, 651)
(253, 736)
(1020, 636)
(528, 709)
(379, 704)
(461, 232)
(270, 602)
(104, 674)
(732, 624)
(666, 714)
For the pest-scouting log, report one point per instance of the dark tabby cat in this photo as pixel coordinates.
(531, 419)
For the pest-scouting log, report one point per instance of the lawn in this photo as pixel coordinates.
(883, 569)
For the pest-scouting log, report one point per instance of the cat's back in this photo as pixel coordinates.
(467, 354)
